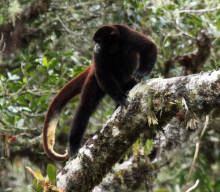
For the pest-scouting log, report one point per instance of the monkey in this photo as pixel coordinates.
(121, 58)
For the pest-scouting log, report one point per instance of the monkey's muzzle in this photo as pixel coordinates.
(97, 48)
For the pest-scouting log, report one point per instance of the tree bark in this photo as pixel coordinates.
(152, 105)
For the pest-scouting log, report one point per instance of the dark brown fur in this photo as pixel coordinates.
(121, 57)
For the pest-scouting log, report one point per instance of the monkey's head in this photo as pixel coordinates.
(106, 40)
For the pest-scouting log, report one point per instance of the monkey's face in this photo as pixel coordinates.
(106, 40)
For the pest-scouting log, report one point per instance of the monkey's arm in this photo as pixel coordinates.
(148, 55)
(141, 44)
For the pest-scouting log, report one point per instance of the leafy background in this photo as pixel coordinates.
(30, 77)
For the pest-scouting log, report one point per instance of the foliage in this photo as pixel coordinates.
(44, 183)
(29, 78)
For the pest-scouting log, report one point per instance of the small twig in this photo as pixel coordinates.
(2, 43)
(194, 159)
(197, 146)
(205, 126)
(193, 187)
(175, 24)
(64, 26)
(33, 114)
(183, 32)
(198, 10)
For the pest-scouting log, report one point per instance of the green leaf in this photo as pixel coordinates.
(149, 102)
(24, 80)
(171, 7)
(140, 6)
(161, 190)
(53, 63)
(136, 147)
(148, 146)
(1, 19)
(37, 186)
(218, 24)
(39, 175)
(45, 62)
(51, 172)
(217, 186)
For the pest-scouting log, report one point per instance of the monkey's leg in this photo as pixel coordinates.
(91, 95)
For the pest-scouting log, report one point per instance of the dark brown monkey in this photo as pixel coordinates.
(121, 57)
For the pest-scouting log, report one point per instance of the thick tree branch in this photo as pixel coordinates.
(12, 146)
(15, 35)
(128, 176)
(152, 105)
(192, 63)
(140, 170)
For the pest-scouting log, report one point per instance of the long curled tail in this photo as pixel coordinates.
(71, 89)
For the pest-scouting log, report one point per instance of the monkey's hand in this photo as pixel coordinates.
(138, 76)
(123, 102)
